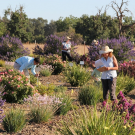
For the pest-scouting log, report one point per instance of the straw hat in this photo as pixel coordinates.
(94, 41)
(68, 38)
(105, 49)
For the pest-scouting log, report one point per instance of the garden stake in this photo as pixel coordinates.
(37, 80)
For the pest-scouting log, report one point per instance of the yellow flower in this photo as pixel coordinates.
(125, 127)
(128, 125)
(134, 129)
(72, 91)
(106, 127)
(38, 83)
(114, 133)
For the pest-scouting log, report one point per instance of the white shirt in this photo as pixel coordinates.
(66, 46)
(110, 73)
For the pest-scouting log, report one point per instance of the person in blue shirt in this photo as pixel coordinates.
(24, 63)
(66, 47)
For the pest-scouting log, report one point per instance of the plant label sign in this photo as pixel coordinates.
(71, 64)
(81, 62)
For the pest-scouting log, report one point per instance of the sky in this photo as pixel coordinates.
(54, 9)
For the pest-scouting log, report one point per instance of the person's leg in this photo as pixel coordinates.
(105, 89)
(112, 88)
(69, 56)
(26, 73)
(63, 56)
(17, 66)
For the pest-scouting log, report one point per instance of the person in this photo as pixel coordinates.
(95, 43)
(66, 47)
(109, 75)
(24, 63)
(97, 74)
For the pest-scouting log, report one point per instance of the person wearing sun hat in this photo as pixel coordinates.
(109, 75)
(66, 47)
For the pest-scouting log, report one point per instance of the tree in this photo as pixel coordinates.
(120, 13)
(18, 24)
(50, 29)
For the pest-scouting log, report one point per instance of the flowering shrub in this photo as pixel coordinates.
(11, 48)
(86, 60)
(123, 107)
(16, 86)
(76, 75)
(127, 68)
(122, 48)
(46, 70)
(1, 111)
(56, 63)
(53, 46)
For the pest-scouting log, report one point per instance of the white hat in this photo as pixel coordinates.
(68, 38)
(105, 49)
(94, 41)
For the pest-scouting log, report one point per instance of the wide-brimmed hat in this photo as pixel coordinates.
(68, 38)
(94, 41)
(105, 49)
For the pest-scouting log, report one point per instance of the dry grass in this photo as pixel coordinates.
(81, 48)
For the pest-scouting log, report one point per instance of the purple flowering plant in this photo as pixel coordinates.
(127, 68)
(52, 46)
(11, 48)
(123, 107)
(122, 48)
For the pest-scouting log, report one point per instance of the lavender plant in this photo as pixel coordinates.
(11, 48)
(52, 46)
(122, 48)
(42, 107)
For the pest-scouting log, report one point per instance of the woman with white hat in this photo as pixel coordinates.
(109, 76)
(66, 47)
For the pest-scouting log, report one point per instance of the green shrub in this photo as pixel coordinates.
(60, 89)
(33, 79)
(44, 89)
(76, 75)
(45, 72)
(56, 62)
(90, 122)
(90, 95)
(14, 120)
(2, 63)
(16, 86)
(125, 83)
(40, 113)
(65, 106)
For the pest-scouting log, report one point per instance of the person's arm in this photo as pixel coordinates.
(115, 65)
(33, 70)
(62, 48)
(24, 66)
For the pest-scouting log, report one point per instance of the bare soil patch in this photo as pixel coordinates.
(81, 49)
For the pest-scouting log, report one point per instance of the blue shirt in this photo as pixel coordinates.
(26, 62)
(110, 73)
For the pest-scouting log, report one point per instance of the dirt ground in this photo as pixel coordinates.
(81, 49)
(49, 128)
